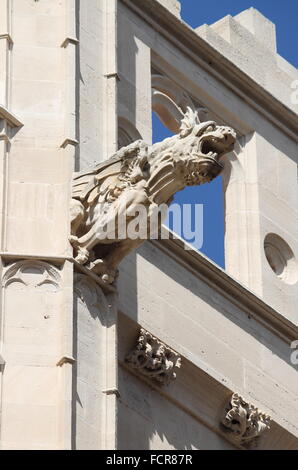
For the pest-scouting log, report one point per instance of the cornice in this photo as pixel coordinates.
(201, 52)
(10, 257)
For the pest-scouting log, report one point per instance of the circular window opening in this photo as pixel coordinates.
(281, 258)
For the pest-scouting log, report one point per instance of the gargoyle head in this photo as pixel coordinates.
(203, 144)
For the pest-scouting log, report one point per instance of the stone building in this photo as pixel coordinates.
(178, 353)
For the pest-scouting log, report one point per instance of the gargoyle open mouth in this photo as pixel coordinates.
(215, 143)
(213, 146)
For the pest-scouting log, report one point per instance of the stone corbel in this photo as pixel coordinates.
(153, 359)
(2, 362)
(8, 38)
(7, 120)
(11, 119)
(69, 141)
(66, 360)
(243, 422)
(69, 40)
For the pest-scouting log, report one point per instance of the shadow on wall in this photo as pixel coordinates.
(91, 321)
(131, 296)
(146, 419)
(156, 416)
(140, 407)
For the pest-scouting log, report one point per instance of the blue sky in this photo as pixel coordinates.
(197, 12)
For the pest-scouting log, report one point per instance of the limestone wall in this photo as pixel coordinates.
(214, 333)
(96, 81)
(71, 72)
(37, 163)
(260, 176)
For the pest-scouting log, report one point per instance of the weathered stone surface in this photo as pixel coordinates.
(71, 72)
(249, 41)
(154, 359)
(109, 197)
(243, 421)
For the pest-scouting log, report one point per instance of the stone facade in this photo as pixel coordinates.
(177, 354)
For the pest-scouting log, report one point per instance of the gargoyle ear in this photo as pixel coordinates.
(192, 118)
(189, 121)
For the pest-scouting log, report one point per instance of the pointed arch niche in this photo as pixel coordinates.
(127, 132)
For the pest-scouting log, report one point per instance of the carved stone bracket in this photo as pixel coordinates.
(2, 362)
(66, 360)
(243, 421)
(7, 121)
(70, 40)
(154, 359)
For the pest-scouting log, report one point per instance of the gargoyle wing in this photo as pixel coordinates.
(86, 181)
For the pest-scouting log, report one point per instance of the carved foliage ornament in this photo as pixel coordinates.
(244, 421)
(154, 359)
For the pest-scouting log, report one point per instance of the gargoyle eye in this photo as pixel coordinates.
(210, 129)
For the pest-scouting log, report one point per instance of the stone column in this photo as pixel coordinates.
(36, 300)
(58, 342)
(134, 88)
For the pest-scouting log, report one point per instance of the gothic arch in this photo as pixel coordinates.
(127, 132)
(170, 102)
(38, 274)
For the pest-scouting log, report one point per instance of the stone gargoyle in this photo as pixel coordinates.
(140, 175)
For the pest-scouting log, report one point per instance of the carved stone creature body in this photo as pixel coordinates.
(106, 198)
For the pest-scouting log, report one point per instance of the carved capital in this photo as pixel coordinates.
(154, 359)
(243, 421)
